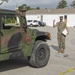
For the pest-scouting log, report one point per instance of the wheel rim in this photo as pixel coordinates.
(41, 54)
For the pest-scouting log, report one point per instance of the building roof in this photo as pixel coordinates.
(52, 11)
(5, 11)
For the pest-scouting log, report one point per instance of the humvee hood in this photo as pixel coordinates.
(42, 33)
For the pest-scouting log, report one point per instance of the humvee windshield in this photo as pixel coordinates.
(8, 21)
(11, 18)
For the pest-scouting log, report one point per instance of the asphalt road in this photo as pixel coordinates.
(55, 66)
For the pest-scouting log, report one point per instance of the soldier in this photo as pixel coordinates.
(61, 25)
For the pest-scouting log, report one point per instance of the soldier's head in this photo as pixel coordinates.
(61, 18)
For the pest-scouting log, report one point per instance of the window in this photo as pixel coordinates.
(8, 21)
(29, 20)
(35, 20)
(65, 16)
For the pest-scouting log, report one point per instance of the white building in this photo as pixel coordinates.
(48, 15)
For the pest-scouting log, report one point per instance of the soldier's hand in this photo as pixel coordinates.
(53, 21)
(68, 33)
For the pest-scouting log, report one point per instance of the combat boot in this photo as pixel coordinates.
(62, 51)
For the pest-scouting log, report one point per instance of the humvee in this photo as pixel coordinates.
(19, 41)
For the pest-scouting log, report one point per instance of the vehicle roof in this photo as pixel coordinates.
(5, 11)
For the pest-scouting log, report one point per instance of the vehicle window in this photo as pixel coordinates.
(8, 21)
(29, 20)
(35, 20)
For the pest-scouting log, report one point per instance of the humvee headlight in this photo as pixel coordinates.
(48, 35)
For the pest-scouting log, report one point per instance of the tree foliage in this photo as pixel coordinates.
(73, 4)
(1, 1)
(24, 6)
(62, 4)
(5, 0)
(38, 8)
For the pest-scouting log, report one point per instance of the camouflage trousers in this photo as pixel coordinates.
(61, 41)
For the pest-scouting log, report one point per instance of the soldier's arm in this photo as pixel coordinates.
(67, 30)
(54, 25)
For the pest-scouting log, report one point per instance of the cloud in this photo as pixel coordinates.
(32, 3)
(40, 3)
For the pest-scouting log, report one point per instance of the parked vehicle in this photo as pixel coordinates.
(41, 23)
(20, 41)
(35, 23)
(32, 23)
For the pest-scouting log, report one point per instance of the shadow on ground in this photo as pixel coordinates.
(12, 64)
(55, 47)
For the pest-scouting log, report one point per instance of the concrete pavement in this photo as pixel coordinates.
(56, 65)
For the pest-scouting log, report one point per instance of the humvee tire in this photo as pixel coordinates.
(40, 54)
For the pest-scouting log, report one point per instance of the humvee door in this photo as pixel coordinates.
(10, 35)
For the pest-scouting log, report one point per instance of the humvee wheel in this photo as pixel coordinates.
(40, 54)
(31, 25)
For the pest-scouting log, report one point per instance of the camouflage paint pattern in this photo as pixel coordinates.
(12, 39)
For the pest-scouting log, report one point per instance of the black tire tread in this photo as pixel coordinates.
(32, 61)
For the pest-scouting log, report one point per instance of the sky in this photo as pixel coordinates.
(12, 4)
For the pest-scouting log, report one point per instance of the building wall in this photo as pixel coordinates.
(33, 17)
(48, 18)
(71, 20)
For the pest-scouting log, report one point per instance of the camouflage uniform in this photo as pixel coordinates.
(61, 38)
